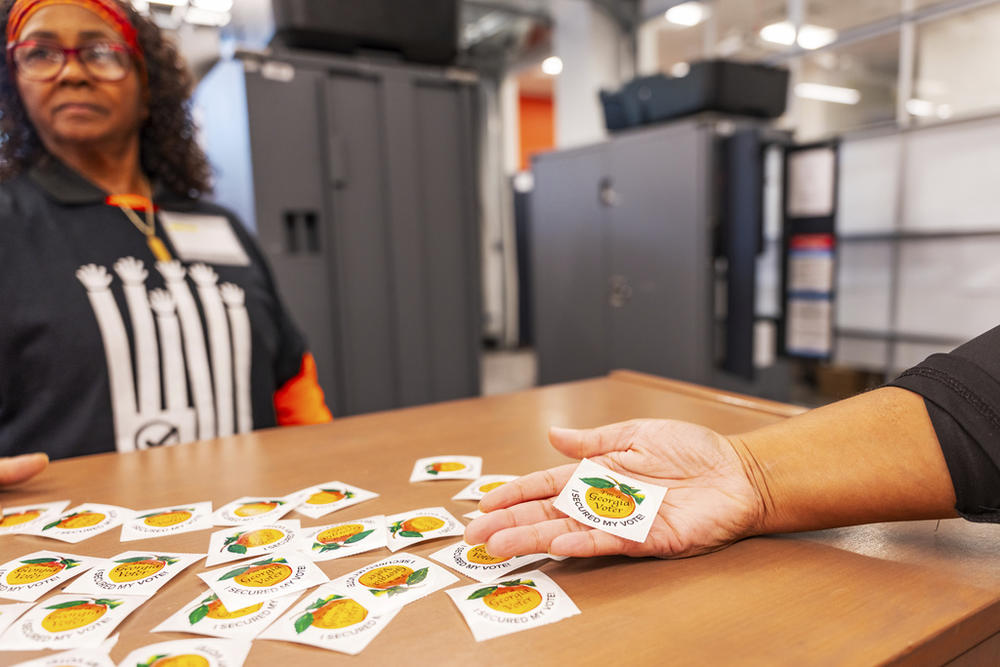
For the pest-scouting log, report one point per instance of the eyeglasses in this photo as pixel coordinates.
(39, 61)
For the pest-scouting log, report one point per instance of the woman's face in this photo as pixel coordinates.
(75, 109)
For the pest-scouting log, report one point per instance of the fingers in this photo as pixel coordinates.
(19, 468)
(590, 542)
(530, 539)
(534, 486)
(524, 514)
(590, 442)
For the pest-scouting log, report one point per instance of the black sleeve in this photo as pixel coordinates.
(962, 393)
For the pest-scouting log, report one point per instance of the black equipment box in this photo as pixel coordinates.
(424, 31)
(711, 85)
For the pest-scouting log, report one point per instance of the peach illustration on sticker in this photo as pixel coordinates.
(446, 467)
(610, 501)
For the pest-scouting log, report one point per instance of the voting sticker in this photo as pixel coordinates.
(527, 601)
(240, 585)
(78, 657)
(394, 581)
(206, 615)
(31, 576)
(415, 526)
(197, 237)
(25, 518)
(447, 467)
(337, 540)
(190, 653)
(10, 613)
(69, 621)
(329, 619)
(82, 522)
(250, 541)
(474, 561)
(254, 509)
(169, 520)
(133, 573)
(482, 486)
(322, 499)
(609, 501)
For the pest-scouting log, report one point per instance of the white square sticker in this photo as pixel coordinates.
(240, 585)
(169, 520)
(474, 561)
(82, 522)
(447, 467)
(11, 612)
(394, 581)
(482, 486)
(329, 619)
(415, 526)
(133, 573)
(337, 540)
(250, 541)
(29, 577)
(206, 615)
(78, 657)
(322, 499)
(69, 621)
(254, 509)
(527, 601)
(198, 237)
(201, 652)
(28, 517)
(609, 501)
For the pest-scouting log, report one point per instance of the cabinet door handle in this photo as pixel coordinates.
(607, 194)
(620, 292)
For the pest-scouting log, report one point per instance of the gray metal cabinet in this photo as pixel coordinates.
(622, 255)
(365, 196)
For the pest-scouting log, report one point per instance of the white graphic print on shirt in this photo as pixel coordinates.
(142, 417)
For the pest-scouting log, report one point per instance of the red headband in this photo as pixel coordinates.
(110, 12)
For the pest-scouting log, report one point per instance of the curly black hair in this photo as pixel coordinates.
(169, 152)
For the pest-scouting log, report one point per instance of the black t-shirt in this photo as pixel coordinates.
(962, 393)
(99, 350)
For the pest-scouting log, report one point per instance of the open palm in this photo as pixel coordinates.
(711, 501)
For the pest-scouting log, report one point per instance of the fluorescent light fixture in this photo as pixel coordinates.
(213, 5)
(687, 14)
(169, 3)
(782, 33)
(815, 36)
(944, 111)
(918, 107)
(197, 16)
(141, 6)
(825, 93)
(680, 70)
(809, 37)
(553, 65)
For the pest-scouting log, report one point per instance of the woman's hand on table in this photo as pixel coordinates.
(17, 469)
(711, 503)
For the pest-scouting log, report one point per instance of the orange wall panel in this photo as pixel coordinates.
(538, 132)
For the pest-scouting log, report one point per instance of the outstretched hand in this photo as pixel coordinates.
(16, 469)
(711, 502)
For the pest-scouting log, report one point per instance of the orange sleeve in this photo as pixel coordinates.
(300, 400)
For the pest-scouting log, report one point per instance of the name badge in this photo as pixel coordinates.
(203, 238)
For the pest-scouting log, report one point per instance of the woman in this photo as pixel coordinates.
(134, 314)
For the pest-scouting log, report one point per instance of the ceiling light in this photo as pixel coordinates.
(809, 37)
(213, 5)
(825, 93)
(553, 65)
(918, 107)
(687, 14)
(815, 36)
(141, 6)
(680, 70)
(169, 3)
(204, 17)
(782, 33)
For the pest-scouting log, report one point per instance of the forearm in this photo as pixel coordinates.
(874, 457)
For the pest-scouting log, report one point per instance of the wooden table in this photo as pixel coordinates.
(911, 593)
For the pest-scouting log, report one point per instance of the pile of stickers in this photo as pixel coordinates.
(265, 563)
